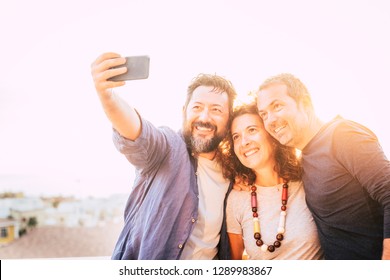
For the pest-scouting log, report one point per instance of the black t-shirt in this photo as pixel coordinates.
(347, 184)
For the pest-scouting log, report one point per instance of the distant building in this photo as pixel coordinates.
(33, 212)
(9, 231)
(25, 209)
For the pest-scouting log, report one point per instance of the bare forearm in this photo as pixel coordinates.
(386, 249)
(236, 246)
(123, 117)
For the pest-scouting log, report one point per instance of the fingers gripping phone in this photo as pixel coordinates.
(137, 68)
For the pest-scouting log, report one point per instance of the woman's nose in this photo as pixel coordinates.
(244, 140)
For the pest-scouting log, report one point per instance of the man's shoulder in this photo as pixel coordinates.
(340, 126)
(149, 128)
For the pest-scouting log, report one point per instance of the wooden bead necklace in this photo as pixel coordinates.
(282, 220)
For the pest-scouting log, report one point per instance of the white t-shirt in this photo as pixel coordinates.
(203, 241)
(300, 238)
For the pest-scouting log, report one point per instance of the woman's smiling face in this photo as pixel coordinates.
(252, 143)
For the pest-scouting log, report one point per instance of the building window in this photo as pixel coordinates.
(3, 232)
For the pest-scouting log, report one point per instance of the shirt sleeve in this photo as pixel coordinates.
(359, 151)
(233, 222)
(147, 151)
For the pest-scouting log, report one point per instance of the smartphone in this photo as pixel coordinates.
(137, 68)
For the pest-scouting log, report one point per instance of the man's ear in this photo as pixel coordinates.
(306, 105)
(184, 111)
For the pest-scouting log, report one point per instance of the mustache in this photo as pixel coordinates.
(204, 125)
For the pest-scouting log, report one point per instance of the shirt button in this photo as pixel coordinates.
(180, 246)
(193, 220)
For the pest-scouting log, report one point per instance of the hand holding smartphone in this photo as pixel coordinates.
(137, 68)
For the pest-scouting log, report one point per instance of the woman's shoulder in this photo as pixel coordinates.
(239, 195)
(295, 186)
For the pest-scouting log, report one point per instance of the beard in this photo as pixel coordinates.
(199, 144)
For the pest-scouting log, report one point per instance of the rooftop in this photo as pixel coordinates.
(64, 242)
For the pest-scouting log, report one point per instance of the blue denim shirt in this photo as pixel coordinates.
(162, 208)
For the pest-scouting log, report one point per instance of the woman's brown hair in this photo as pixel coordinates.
(287, 166)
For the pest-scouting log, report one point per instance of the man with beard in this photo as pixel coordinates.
(176, 207)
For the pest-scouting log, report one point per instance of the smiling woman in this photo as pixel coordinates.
(273, 173)
(55, 140)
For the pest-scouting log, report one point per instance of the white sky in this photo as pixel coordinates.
(54, 137)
